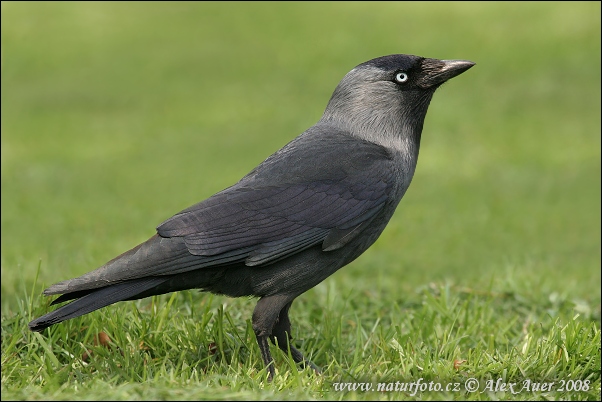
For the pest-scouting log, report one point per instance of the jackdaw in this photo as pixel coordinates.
(309, 209)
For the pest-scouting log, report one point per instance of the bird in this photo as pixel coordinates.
(306, 211)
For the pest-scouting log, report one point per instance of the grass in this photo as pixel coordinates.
(190, 346)
(117, 115)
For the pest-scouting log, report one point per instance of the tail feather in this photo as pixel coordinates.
(155, 257)
(95, 300)
(71, 296)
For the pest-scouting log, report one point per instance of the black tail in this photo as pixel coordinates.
(95, 300)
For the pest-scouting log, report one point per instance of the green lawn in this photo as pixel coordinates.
(115, 116)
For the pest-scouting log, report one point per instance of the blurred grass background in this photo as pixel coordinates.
(115, 116)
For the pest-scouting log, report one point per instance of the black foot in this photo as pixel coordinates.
(270, 321)
(281, 336)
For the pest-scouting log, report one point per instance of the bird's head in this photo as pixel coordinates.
(385, 100)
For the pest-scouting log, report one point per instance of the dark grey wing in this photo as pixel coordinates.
(322, 188)
(316, 190)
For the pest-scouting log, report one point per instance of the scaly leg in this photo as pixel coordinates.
(281, 336)
(265, 316)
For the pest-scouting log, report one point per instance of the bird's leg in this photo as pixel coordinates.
(264, 348)
(265, 316)
(281, 336)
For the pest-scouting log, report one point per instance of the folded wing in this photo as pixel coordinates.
(320, 190)
(336, 186)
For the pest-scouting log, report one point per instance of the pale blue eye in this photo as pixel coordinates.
(401, 77)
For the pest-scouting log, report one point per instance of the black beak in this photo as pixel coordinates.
(436, 72)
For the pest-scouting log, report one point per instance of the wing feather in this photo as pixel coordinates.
(281, 208)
